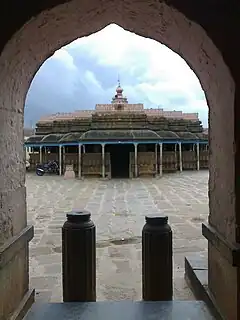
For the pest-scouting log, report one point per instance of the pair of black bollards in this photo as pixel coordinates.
(79, 258)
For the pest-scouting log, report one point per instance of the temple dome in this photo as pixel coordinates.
(118, 98)
(119, 89)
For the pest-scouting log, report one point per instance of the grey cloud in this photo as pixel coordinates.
(56, 88)
(177, 101)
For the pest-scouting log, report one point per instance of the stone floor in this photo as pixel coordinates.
(118, 208)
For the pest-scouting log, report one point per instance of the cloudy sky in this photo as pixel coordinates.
(85, 72)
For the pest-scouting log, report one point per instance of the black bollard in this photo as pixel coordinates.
(79, 258)
(157, 273)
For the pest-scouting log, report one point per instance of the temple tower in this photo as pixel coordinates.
(119, 99)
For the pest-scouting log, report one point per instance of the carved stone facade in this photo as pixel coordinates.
(119, 105)
(149, 131)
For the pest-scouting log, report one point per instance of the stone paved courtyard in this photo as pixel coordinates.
(118, 208)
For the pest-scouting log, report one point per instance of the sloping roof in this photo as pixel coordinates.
(35, 139)
(51, 138)
(115, 135)
(187, 135)
(71, 137)
(202, 136)
(167, 135)
(119, 135)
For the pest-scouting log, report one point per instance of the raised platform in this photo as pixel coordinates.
(127, 310)
(196, 274)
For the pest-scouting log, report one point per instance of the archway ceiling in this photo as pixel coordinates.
(219, 18)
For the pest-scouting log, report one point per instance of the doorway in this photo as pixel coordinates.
(120, 155)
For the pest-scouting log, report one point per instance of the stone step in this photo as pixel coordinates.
(122, 310)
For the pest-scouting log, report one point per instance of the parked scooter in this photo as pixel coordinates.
(51, 167)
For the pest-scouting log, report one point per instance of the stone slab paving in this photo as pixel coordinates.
(118, 208)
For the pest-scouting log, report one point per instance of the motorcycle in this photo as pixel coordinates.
(51, 167)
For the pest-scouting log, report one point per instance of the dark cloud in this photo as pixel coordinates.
(76, 77)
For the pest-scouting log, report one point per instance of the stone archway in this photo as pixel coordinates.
(38, 30)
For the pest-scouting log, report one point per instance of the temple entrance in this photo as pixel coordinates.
(119, 155)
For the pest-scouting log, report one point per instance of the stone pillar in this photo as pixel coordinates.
(60, 160)
(160, 159)
(103, 160)
(156, 159)
(79, 161)
(40, 155)
(15, 234)
(198, 157)
(180, 156)
(220, 281)
(223, 228)
(135, 160)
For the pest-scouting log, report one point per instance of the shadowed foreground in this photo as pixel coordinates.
(118, 208)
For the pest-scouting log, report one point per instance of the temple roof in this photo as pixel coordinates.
(115, 135)
(203, 135)
(187, 135)
(51, 138)
(120, 135)
(167, 135)
(71, 137)
(35, 139)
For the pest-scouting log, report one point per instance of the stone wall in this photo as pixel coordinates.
(204, 159)
(91, 162)
(170, 161)
(146, 164)
(189, 160)
(126, 107)
(146, 161)
(120, 120)
(102, 108)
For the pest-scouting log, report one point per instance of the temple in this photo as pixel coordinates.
(119, 140)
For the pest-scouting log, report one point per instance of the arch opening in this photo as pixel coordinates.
(168, 26)
(49, 30)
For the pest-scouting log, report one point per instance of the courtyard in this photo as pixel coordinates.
(118, 208)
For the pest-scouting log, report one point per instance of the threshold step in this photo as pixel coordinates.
(121, 310)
